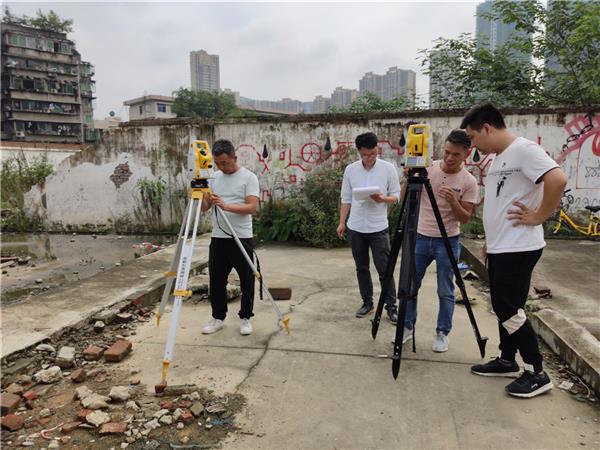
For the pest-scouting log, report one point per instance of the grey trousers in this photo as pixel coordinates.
(379, 243)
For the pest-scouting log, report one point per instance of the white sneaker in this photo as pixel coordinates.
(213, 326)
(245, 327)
(440, 343)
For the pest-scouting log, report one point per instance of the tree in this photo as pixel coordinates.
(371, 102)
(563, 68)
(51, 22)
(206, 104)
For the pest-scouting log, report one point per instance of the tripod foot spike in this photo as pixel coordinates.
(286, 324)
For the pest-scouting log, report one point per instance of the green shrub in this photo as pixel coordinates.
(279, 220)
(473, 226)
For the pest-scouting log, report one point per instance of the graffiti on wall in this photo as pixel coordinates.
(281, 170)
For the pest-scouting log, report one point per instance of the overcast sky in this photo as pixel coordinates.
(267, 50)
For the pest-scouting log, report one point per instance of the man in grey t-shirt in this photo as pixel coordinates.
(235, 192)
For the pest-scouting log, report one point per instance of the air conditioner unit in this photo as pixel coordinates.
(20, 134)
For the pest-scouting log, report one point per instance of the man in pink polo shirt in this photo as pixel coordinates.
(455, 192)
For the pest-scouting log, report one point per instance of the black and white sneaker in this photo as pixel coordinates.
(497, 368)
(530, 384)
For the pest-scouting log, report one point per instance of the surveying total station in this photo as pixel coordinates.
(199, 171)
(418, 150)
(418, 146)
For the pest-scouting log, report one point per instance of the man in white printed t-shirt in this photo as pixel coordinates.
(235, 191)
(368, 221)
(523, 186)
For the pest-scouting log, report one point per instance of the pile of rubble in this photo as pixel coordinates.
(74, 393)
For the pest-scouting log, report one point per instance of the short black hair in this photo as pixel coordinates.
(479, 115)
(366, 140)
(223, 146)
(459, 137)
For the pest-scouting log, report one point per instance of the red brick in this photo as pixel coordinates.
(43, 421)
(30, 395)
(186, 417)
(184, 404)
(113, 428)
(9, 403)
(68, 427)
(92, 353)
(12, 422)
(117, 351)
(281, 293)
(82, 414)
(167, 404)
(78, 375)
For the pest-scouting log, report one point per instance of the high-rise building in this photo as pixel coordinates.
(371, 82)
(342, 98)
(47, 90)
(399, 83)
(395, 83)
(204, 70)
(321, 104)
(283, 106)
(492, 34)
(440, 85)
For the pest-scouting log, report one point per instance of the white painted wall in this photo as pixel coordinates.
(81, 192)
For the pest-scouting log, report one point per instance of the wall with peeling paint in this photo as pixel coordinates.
(98, 187)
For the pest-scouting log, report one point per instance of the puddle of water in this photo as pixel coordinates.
(60, 258)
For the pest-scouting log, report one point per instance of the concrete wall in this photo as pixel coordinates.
(99, 187)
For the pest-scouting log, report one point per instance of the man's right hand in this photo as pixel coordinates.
(341, 230)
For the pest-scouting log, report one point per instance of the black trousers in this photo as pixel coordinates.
(510, 278)
(379, 243)
(223, 256)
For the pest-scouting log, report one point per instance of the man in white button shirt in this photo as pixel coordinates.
(368, 221)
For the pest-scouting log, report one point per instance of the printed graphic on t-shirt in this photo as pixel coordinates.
(503, 175)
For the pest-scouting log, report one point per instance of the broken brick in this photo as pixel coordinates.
(167, 404)
(93, 353)
(117, 351)
(113, 428)
(186, 417)
(43, 421)
(12, 422)
(82, 414)
(68, 427)
(9, 403)
(78, 375)
(30, 395)
(184, 404)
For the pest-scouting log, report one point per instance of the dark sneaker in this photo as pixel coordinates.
(365, 309)
(392, 313)
(530, 384)
(497, 368)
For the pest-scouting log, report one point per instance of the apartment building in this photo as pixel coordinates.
(47, 89)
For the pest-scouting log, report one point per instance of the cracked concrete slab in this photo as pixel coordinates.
(323, 386)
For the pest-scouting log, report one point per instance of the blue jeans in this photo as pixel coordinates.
(430, 249)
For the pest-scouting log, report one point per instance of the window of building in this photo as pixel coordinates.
(161, 107)
(38, 85)
(65, 47)
(141, 109)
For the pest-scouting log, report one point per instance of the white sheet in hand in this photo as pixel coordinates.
(363, 193)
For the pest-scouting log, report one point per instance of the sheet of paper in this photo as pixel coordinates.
(363, 193)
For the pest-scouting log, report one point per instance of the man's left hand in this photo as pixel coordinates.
(218, 201)
(378, 198)
(522, 215)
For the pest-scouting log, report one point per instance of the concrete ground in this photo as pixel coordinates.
(323, 385)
